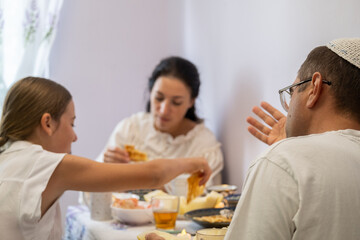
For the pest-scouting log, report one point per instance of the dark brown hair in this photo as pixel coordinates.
(185, 71)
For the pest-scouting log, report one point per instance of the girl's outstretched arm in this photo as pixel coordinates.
(82, 174)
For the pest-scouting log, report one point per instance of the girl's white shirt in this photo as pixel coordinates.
(25, 170)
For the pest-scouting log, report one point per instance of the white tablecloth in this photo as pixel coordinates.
(79, 226)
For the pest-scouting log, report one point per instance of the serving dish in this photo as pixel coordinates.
(232, 199)
(207, 212)
(133, 216)
(222, 188)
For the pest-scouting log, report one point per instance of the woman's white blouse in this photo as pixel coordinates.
(138, 130)
(25, 170)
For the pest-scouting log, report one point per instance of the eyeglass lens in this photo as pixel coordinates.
(285, 100)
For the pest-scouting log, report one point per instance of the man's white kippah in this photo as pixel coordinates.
(347, 48)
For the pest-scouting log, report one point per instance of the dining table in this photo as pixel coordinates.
(80, 226)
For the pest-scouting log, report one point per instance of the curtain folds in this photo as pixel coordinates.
(27, 32)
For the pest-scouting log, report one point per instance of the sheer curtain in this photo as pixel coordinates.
(27, 32)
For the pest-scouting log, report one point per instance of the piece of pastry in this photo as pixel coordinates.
(135, 155)
(194, 189)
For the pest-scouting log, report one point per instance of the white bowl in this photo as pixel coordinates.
(133, 216)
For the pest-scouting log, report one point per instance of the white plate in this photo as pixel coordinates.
(222, 188)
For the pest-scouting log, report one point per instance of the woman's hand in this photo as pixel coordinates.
(116, 155)
(276, 120)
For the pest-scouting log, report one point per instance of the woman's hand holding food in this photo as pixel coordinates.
(275, 119)
(116, 155)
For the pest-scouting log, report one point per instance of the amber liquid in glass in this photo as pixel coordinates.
(165, 220)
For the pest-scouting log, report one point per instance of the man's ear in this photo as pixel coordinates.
(47, 124)
(316, 89)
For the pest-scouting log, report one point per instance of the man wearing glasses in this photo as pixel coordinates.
(307, 186)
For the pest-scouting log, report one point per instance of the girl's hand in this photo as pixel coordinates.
(200, 165)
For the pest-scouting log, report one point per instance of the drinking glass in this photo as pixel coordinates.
(99, 205)
(165, 209)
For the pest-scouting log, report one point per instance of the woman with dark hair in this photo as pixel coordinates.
(170, 127)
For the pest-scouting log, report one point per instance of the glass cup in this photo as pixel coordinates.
(211, 234)
(100, 209)
(165, 209)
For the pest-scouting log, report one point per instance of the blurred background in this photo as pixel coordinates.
(104, 52)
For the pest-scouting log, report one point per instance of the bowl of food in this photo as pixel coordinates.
(232, 199)
(132, 211)
(211, 217)
(124, 195)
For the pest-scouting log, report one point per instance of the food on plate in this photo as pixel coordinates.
(208, 201)
(154, 193)
(221, 204)
(165, 235)
(213, 218)
(129, 203)
(194, 189)
(135, 154)
(123, 195)
(225, 216)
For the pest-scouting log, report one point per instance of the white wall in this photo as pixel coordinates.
(245, 51)
(104, 52)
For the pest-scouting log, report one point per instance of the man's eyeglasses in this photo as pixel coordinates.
(286, 92)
